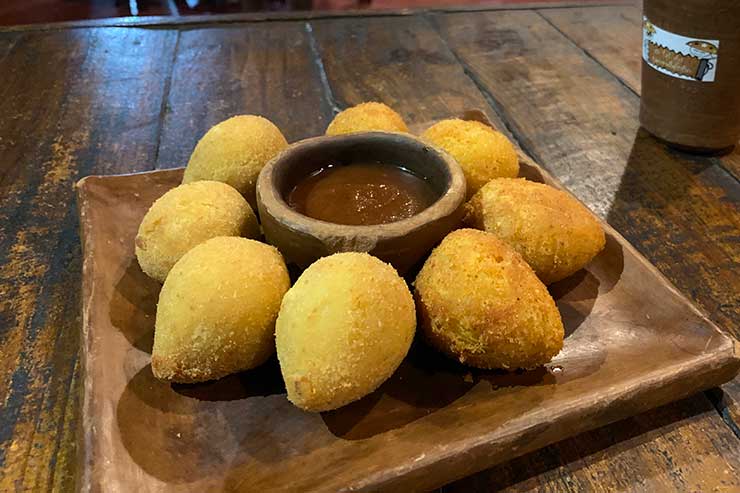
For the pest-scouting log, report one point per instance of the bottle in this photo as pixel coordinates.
(691, 73)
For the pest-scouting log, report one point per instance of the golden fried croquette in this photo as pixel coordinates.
(186, 216)
(234, 152)
(480, 302)
(482, 152)
(367, 117)
(554, 232)
(217, 309)
(343, 329)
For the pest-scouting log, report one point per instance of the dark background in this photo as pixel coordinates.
(14, 12)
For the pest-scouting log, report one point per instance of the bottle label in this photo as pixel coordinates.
(679, 56)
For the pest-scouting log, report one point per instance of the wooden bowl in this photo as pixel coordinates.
(302, 239)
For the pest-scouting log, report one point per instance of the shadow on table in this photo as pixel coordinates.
(133, 306)
(656, 183)
(261, 381)
(425, 382)
(582, 450)
(187, 433)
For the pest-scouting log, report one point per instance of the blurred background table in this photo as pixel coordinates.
(15, 12)
(123, 95)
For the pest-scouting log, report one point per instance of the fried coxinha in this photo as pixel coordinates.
(345, 326)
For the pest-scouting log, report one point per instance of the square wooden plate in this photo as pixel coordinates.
(633, 343)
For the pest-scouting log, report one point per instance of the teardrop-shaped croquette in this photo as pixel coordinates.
(217, 309)
(343, 329)
(234, 152)
(479, 302)
(186, 216)
(482, 152)
(556, 234)
(367, 117)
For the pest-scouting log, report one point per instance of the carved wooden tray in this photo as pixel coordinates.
(633, 343)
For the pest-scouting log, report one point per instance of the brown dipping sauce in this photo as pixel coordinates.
(361, 194)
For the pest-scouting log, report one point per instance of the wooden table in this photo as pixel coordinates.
(123, 96)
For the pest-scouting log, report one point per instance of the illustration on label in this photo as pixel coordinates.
(679, 56)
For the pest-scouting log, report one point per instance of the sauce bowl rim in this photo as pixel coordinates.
(270, 200)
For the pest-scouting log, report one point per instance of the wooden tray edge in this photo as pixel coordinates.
(83, 439)
(713, 368)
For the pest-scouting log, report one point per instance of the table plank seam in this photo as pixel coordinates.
(541, 13)
(624, 83)
(711, 394)
(521, 139)
(9, 48)
(318, 62)
(719, 400)
(166, 97)
(511, 129)
(72, 395)
(586, 52)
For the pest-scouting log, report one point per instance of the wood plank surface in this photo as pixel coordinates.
(732, 162)
(400, 61)
(265, 69)
(611, 35)
(94, 101)
(191, 21)
(73, 103)
(639, 454)
(681, 211)
(580, 122)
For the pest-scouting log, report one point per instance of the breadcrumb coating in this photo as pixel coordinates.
(186, 216)
(556, 234)
(217, 309)
(367, 117)
(234, 152)
(343, 329)
(482, 152)
(479, 302)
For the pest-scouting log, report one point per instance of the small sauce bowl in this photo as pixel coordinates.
(302, 239)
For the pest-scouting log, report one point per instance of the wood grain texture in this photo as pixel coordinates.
(81, 101)
(577, 119)
(727, 402)
(581, 123)
(399, 61)
(611, 35)
(73, 103)
(190, 21)
(680, 447)
(265, 69)
(427, 425)
(732, 162)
